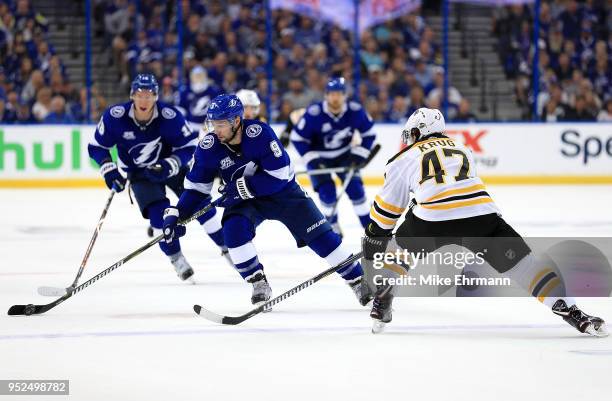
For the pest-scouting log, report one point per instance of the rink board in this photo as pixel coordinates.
(43, 156)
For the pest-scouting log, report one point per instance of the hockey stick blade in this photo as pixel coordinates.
(53, 291)
(31, 309)
(234, 320)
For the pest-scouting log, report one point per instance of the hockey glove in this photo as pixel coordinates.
(112, 176)
(164, 169)
(235, 192)
(172, 230)
(358, 156)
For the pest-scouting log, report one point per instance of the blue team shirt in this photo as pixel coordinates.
(194, 105)
(138, 147)
(260, 158)
(319, 133)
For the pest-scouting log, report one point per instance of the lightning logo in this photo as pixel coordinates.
(146, 154)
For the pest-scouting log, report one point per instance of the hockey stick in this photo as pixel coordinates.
(32, 309)
(351, 174)
(56, 291)
(233, 320)
(343, 169)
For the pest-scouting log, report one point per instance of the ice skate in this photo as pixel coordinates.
(381, 310)
(182, 267)
(361, 290)
(582, 322)
(262, 292)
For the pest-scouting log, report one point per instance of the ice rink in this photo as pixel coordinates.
(133, 334)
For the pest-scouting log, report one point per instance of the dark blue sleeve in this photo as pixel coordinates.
(182, 139)
(365, 126)
(275, 166)
(102, 141)
(198, 182)
(302, 136)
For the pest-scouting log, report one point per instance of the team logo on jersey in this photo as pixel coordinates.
(117, 111)
(200, 106)
(207, 142)
(253, 130)
(314, 110)
(168, 113)
(146, 154)
(227, 162)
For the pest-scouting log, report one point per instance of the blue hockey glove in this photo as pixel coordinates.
(172, 230)
(112, 176)
(164, 169)
(235, 192)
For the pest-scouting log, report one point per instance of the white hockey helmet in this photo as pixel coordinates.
(423, 122)
(249, 98)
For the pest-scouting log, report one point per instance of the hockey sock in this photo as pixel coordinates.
(238, 232)
(541, 280)
(212, 225)
(156, 212)
(362, 209)
(329, 246)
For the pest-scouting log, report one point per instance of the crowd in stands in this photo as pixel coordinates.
(575, 58)
(399, 60)
(34, 85)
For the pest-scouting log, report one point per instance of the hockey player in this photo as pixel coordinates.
(154, 146)
(259, 185)
(251, 103)
(450, 200)
(194, 99)
(324, 138)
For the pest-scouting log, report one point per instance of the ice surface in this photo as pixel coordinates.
(133, 335)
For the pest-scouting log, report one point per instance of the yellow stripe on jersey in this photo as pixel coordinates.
(455, 205)
(457, 191)
(374, 215)
(388, 206)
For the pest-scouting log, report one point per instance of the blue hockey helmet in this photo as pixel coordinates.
(144, 82)
(336, 85)
(225, 107)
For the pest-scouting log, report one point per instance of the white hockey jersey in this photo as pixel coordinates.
(440, 173)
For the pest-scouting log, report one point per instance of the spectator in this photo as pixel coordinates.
(464, 113)
(42, 106)
(58, 113)
(397, 113)
(579, 112)
(606, 113)
(298, 97)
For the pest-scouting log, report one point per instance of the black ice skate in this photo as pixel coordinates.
(182, 267)
(361, 290)
(261, 290)
(584, 323)
(381, 309)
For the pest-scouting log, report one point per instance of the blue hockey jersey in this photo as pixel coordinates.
(260, 158)
(139, 146)
(321, 134)
(194, 105)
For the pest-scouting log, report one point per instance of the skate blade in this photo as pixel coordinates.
(597, 332)
(377, 326)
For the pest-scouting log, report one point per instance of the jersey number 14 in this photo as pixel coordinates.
(432, 167)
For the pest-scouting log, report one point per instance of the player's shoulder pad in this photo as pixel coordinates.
(398, 154)
(354, 106)
(207, 142)
(313, 110)
(255, 129)
(118, 110)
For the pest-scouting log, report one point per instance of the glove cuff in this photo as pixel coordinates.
(107, 167)
(360, 151)
(243, 189)
(171, 211)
